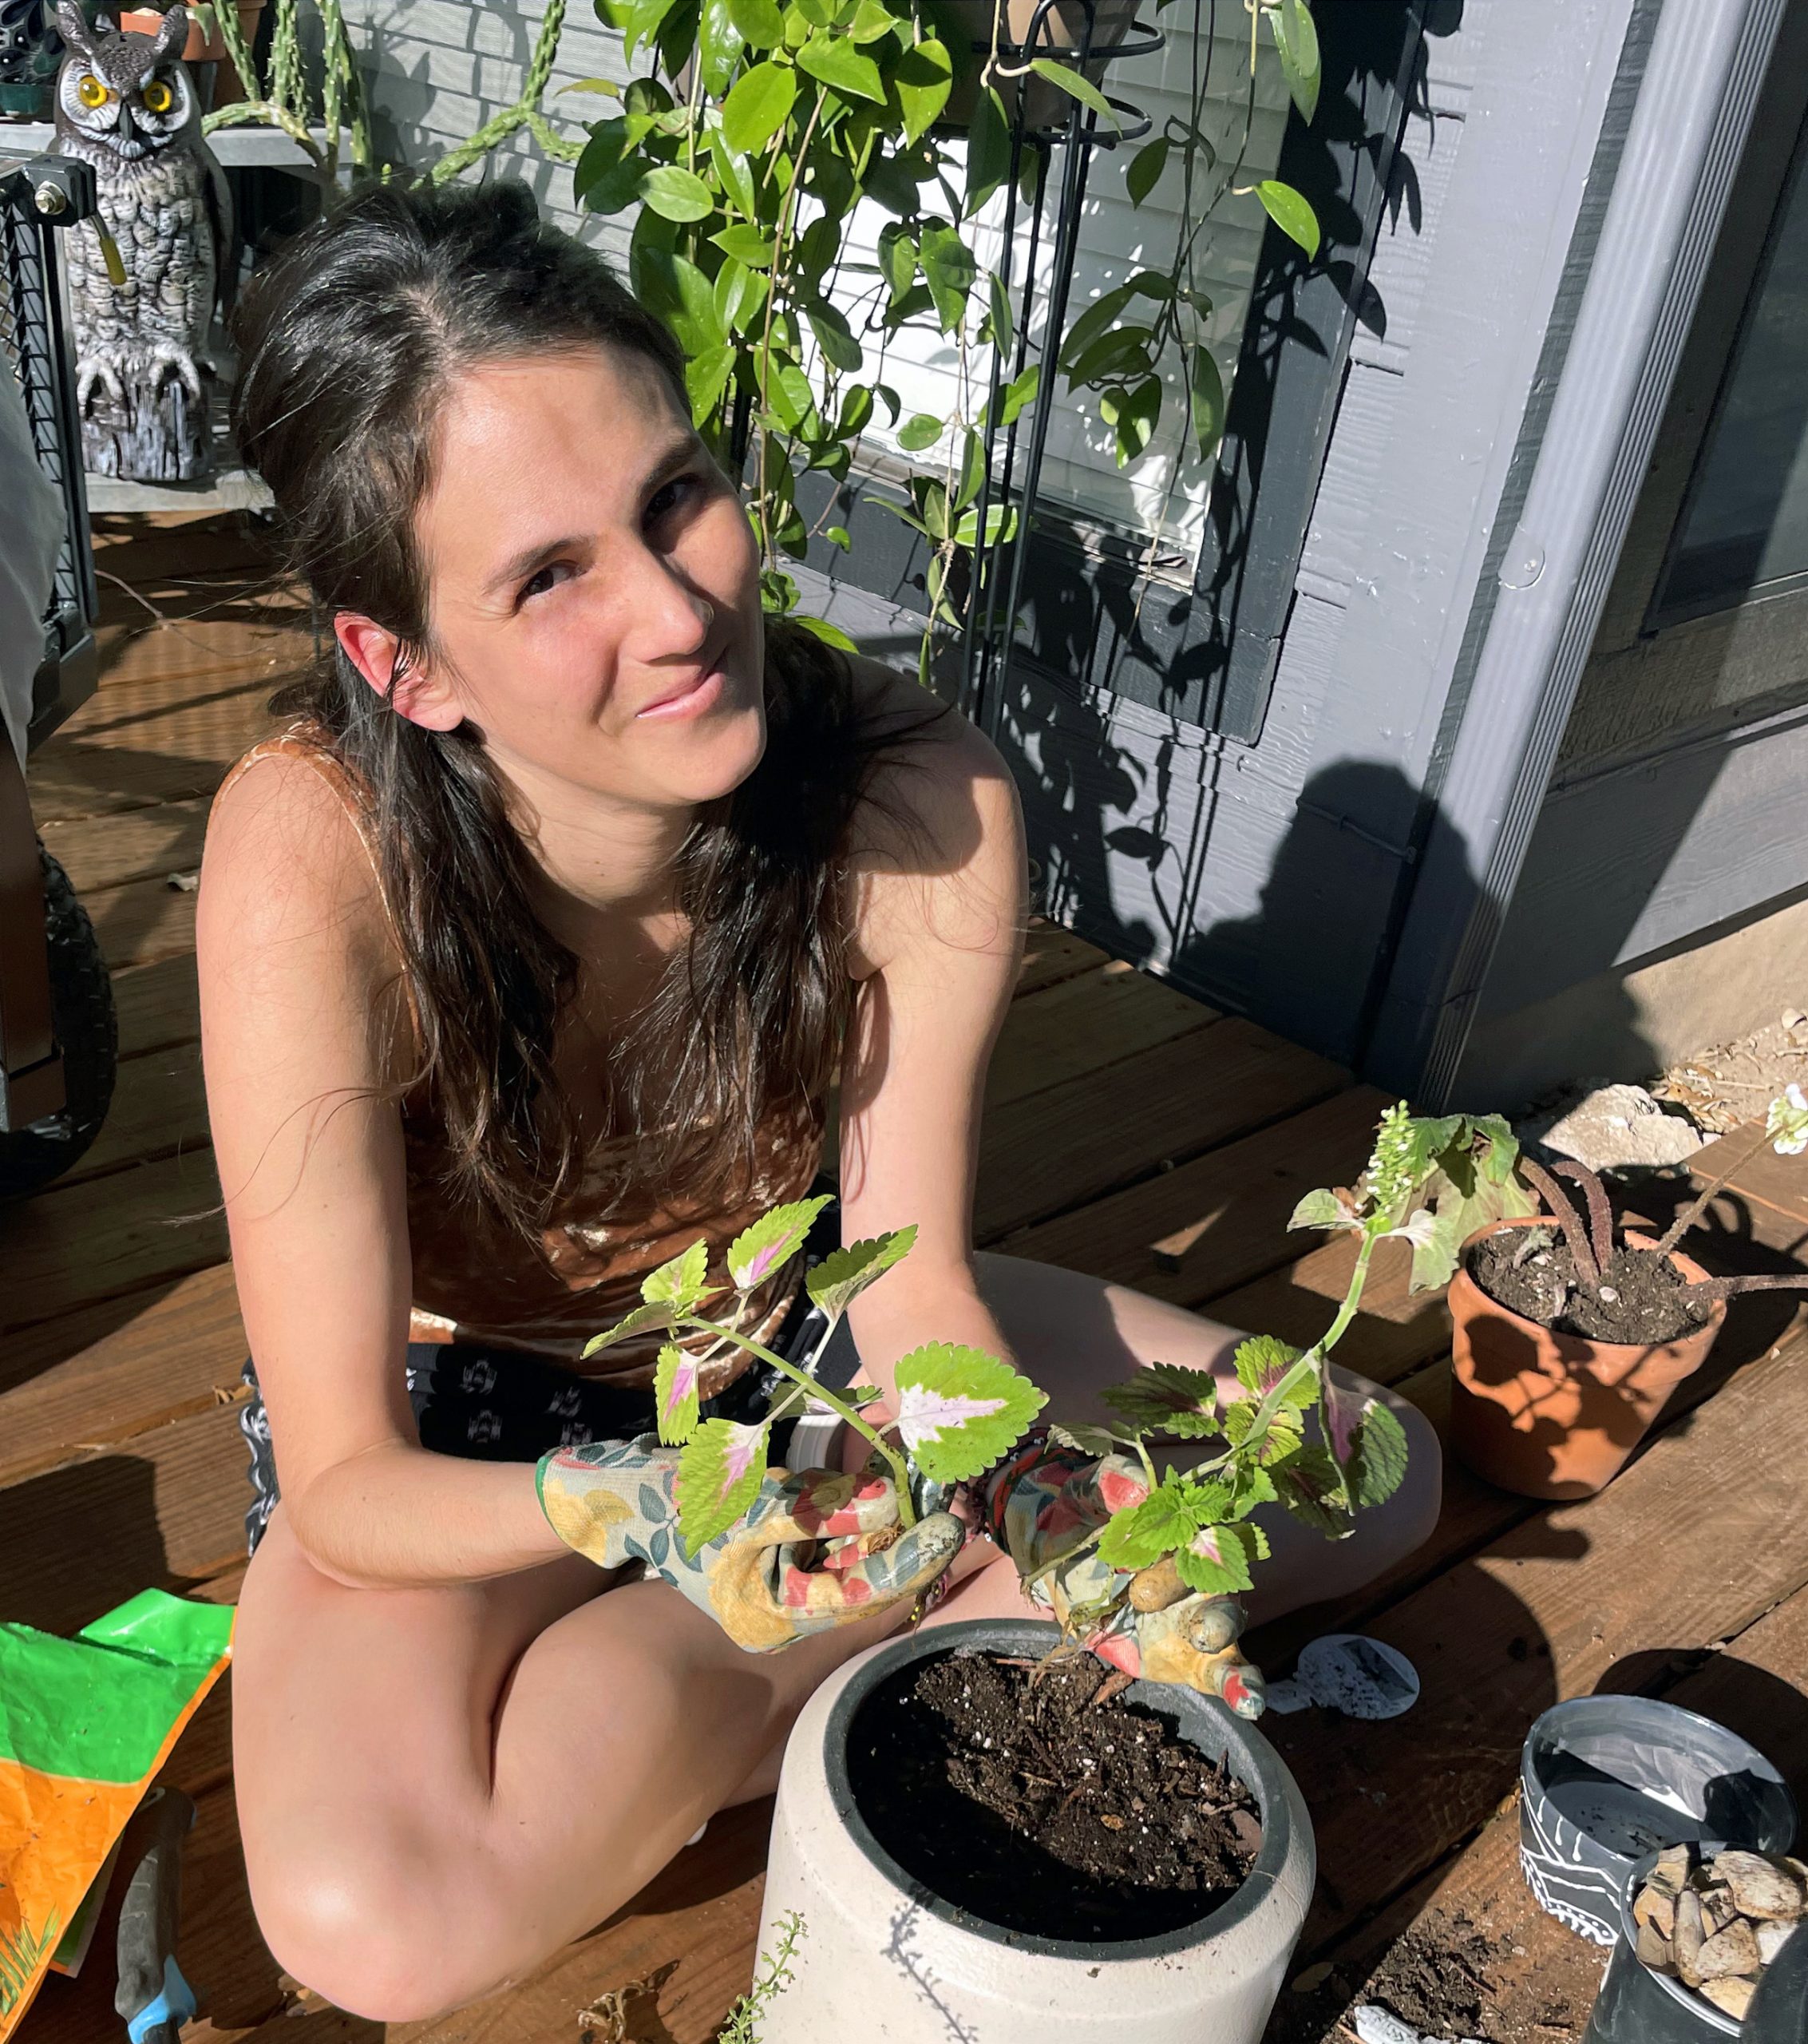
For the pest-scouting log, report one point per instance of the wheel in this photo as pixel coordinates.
(81, 1012)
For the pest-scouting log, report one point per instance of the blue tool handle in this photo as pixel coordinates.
(153, 1998)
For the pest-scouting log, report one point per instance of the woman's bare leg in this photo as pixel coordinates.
(438, 1787)
(1075, 1335)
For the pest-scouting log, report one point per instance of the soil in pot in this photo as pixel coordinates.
(1536, 1279)
(1036, 1796)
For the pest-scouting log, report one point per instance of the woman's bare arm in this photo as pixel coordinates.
(940, 904)
(302, 1036)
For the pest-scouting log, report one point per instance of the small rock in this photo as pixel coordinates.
(1670, 1874)
(1651, 1905)
(1653, 1949)
(1375, 2025)
(1759, 1886)
(1313, 1978)
(1730, 1954)
(1690, 1936)
(1618, 1125)
(1733, 1996)
(1718, 1908)
(1771, 1938)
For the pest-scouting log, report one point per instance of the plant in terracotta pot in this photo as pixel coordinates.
(1033, 1826)
(1571, 1333)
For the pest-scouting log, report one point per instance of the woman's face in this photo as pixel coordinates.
(593, 585)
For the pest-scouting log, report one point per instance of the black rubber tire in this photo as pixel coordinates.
(81, 1012)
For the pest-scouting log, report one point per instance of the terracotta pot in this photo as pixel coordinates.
(1064, 28)
(1555, 1416)
(201, 49)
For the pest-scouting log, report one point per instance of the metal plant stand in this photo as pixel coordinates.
(996, 585)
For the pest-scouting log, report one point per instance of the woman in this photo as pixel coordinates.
(527, 958)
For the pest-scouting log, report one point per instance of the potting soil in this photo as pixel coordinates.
(1649, 1303)
(1032, 1797)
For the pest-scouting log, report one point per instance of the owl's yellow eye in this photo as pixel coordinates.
(158, 97)
(91, 92)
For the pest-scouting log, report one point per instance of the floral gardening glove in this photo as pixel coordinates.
(817, 1548)
(1042, 1503)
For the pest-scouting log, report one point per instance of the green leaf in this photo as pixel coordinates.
(680, 1282)
(830, 635)
(792, 400)
(1084, 1440)
(639, 1321)
(988, 150)
(706, 376)
(959, 1410)
(734, 173)
(677, 194)
(739, 293)
(1323, 1209)
(1376, 1468)
(1263, 1361)
(1311, 1486)
(745, 244)
(923, 78)
(1070, 81)
(1124, 351)
(922, 431)
(1146, 166)
(1296, 39)
(771, 1242)
(1291, 212)
(949, 270)
(836, 339)
(897, 257)
(1167, 1398)
(675, 1395)
(834, 60)
(972, 469)
(874, 19)
(1217, 1560)
(1280, 1435)
(719, 45)
(693, 316)
(1131, 414)
(607, 87)
(1106, 309)
(1208, 402)
(845, 1272)
(720, 1470)
(758, 104)
(999, 327)
(856, 409)
(1020, 391)
(1139, 1535)
(838, 536)
(762, 22)
(1001, 524)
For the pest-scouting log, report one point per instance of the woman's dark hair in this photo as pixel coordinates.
(349, 342)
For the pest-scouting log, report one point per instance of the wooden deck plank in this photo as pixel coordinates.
(73, 1246)
(143, 922)
(1057, 1149)
(158, 1005)
(1080, 1025)
(71, 780)
(145, 843)
(1051, 953)
(159, 1107)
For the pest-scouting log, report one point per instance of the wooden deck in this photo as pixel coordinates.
(1130, 1132)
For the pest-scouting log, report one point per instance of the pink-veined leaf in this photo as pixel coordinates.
(1263, 1362)
(1139, 1535)
(680, 1283)
(675, 1395)
(845, 1272)
(772, 1241)
(1311, 1486)
(720, 1470)
(1217, 1560)
(1167, 1398)
(959, 1410)
(1379, 1465)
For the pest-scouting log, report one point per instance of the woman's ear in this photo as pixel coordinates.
(419, 694)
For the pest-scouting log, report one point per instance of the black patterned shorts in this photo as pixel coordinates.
(492, 1405)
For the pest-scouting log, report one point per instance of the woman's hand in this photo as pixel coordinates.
(1044, 1506)
(818, 1549)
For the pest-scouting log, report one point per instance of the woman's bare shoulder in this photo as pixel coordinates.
(941, 787)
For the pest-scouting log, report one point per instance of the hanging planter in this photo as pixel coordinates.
(917, 1928)
(1061, 30)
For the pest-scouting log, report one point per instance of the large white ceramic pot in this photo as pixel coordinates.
(882, 1958)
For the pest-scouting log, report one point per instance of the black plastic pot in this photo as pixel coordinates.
(1778, 2014)
(1606, 1779)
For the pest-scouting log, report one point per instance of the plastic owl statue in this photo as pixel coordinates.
(125, 104)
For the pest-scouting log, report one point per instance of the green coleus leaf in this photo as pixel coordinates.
(771, 1242)
(959, 1410)
(677, 194)
(922, 79)
(1140, 1534)
(758, 104)
(1263, 1362)
(1145, 172)
(830, 635)
(674, 1394)
(1325, 1209)
(845, 1272)
(680, 1283)
(1291, 212)
(745, 244)
(1067, 80)
(1377, 1462)
(762, 22)
(720, 1470)
(1084, 1440)
(834, 60)
(1296, 39)
(1280, 1434)
(641, 1320)
(1217, 1560)
(1311, 1486)
(1167, 1398)
(949, 269)
(1206, 396)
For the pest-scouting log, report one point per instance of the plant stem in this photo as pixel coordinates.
(1352, 1297)
(1698, 1206)
(1564, 1213)
(900, 1469)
